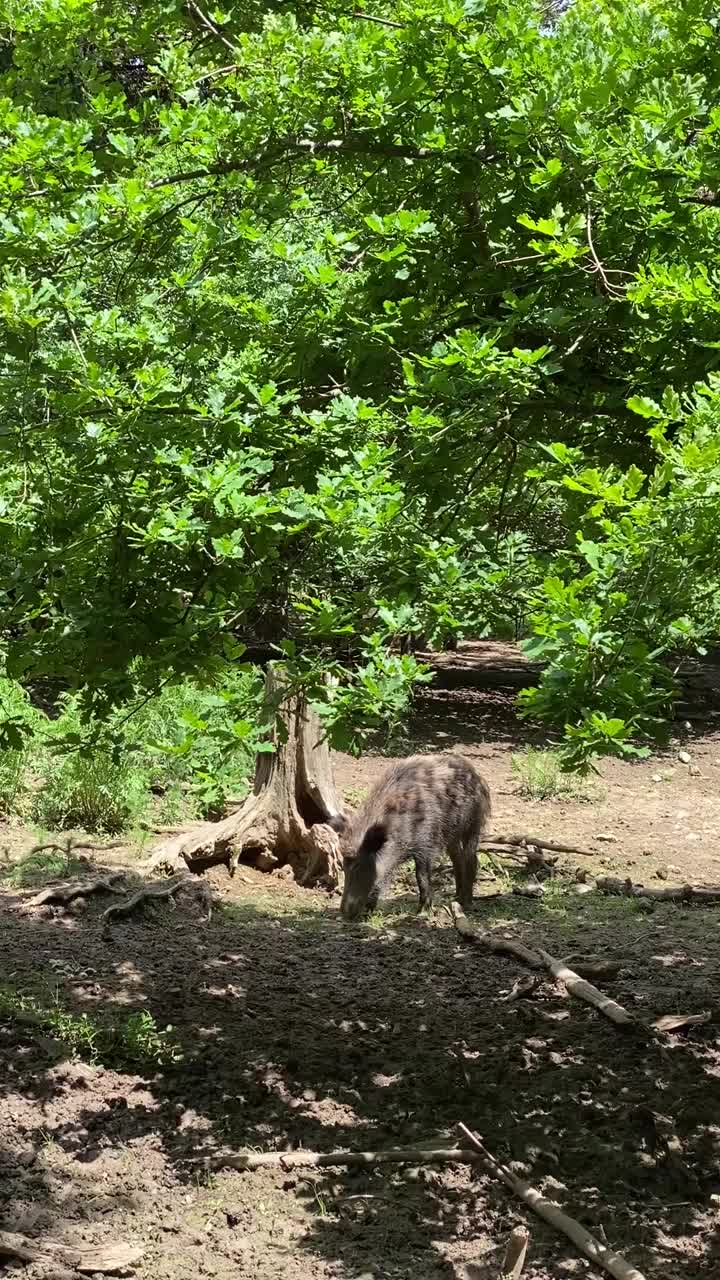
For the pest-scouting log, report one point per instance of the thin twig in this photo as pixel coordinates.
(611, 289)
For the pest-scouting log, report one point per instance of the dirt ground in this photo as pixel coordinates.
(298, 1031)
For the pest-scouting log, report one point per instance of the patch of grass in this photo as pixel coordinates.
(355, 796)
(132, 1041)
(40, 865)
(541, 777)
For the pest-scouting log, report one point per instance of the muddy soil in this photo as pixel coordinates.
(293, 1030)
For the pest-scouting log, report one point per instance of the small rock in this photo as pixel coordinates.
(675, 869)
(684, 757)
(657, 777)
(694, 771)
(607, 837)
(284, 873)
(647, 853)
(662, 873)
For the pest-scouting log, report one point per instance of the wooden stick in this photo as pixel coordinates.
(538, 959)
(501, 946)
(613, 1263)
(577, 986)
(515, 1252)
(669, 893)
(342, 1159)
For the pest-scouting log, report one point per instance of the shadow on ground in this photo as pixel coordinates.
(298, 1031)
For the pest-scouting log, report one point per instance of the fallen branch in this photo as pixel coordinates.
(585, 967)
(538, 959)
(578, 986)
(668, 893)
(515, 1252)
(500, 946)
(70, 890)
(102, 1260)
(155, 890)
(342, 1159)
(679, 1021)
(522, 841)
(612, 1262)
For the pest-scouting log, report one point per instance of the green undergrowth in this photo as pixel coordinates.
(135, 1040)
(178, 756)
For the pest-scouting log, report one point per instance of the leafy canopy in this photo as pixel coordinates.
(322, 326)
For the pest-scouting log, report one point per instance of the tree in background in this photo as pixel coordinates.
(320, 327)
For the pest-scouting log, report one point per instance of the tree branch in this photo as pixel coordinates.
(209, 25)
(317, 147)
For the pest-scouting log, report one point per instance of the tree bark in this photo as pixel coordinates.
(284, 819)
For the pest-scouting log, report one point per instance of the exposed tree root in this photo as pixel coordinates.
(287, 813)
(72, 889)
(159, 889)
(598, 1253)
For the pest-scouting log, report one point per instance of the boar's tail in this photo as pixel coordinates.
(373, 839)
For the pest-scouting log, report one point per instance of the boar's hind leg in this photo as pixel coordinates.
(423, 869)
(464, 862)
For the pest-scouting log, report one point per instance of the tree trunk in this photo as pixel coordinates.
(284, 820)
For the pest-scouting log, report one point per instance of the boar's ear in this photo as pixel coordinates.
(339, 822)
(374, 839)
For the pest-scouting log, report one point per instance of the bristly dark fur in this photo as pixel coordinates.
(421, 808)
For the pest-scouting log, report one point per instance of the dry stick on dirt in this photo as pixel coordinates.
(103, 1260)
(612, 1262)
(515, 1252)
(501, 946)
(538, 958)
(669, 893)
(286, 815)
(77, 889)
(341, 1159)
(155, 890)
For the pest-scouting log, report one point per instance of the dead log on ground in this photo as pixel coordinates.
(72, 889)
(342, 1159)
(156, 890)
(287, 813)
(598, 1253)
(103, 1260)
(668, 893)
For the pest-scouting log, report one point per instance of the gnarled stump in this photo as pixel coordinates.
(285, 818)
